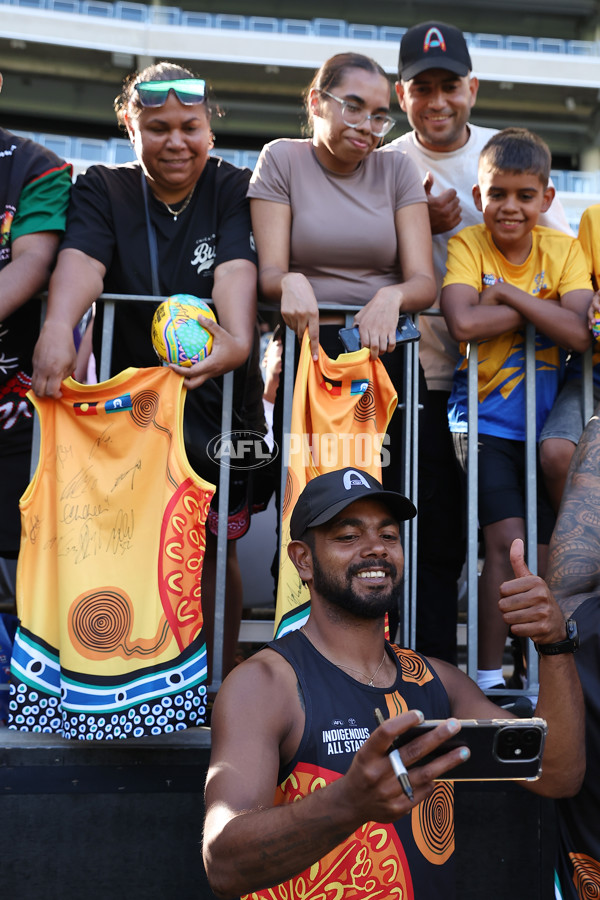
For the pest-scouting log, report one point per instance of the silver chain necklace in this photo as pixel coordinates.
(370, 678)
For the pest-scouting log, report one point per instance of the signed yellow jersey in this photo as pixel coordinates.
(340, 412)
(110, 642)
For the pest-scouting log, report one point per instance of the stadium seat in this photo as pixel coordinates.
(582, 48)
(582, 182)
(120, 151)
(64, 6)
(520, 43)
(295, 26)
(231, 22)
(551, 45)
(90, 149)
(363, 32)
(488, 41)
(391, 33)
(197, 19)
(100, 8)
(331, 28)
(131, 12)
(268, 24)
(164, 15)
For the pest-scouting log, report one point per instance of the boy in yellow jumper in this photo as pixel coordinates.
(501, 275)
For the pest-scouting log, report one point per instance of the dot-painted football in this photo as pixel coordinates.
(177, 336)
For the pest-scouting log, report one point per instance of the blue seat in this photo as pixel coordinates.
(391, 33)
(550, 45)
(197, 19)
(559, 179)
(90, 149)
(296, 26)
(164, 15)
(100, 8)
(520, 43)
(59, 144)
(231, 22)
(582, 48)
(363, 32)
(582, 182)
(131, 12)
(120, 150)
(64, 6)
(489, 41)
(32, 4)
(331, 28)
(268, 24)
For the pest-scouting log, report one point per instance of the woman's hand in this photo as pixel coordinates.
(226, 355)
(299, 309)
(54, 358)
(378, 320)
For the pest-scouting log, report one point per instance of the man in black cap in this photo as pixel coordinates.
(437, 91)
(300, 790)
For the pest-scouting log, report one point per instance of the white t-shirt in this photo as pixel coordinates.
(455, 169)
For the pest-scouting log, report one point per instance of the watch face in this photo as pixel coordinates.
(572, 633)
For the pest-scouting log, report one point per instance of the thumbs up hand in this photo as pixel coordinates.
(444, 209)
(527, 603)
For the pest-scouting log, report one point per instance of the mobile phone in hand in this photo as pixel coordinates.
(405, 332)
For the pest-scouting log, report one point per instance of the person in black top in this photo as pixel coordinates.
(294, 773)
(191, 210)
(574, 578)
(34, 195)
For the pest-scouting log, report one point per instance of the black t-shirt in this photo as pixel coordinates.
(107, 222)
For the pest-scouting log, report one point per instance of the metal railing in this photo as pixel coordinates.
(409, 407)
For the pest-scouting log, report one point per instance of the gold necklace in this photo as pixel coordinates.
(186, 203)
(370, 678)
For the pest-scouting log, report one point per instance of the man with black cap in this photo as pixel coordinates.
(437, 91)
(300, 790)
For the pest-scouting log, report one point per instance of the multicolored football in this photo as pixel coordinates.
(177, 336)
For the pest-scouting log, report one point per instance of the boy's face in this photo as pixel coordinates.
(511, 205)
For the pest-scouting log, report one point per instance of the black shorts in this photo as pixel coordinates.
(501, 482)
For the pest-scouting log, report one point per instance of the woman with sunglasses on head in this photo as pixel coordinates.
(338, 219)
(175, 221)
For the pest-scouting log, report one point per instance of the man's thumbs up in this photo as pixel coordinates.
(517, 558)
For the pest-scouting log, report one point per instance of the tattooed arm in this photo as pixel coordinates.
(574, 562)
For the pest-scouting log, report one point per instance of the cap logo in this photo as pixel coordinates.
(352, 478)
(434, 39)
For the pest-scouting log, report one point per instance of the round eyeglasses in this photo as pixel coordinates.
(354, 116)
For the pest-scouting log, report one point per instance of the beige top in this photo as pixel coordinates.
(343, 230)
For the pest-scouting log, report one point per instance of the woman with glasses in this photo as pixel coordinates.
(337, 218)
(340, 219)
(174, 221)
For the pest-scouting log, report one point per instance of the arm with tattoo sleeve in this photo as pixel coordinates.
(574, 562)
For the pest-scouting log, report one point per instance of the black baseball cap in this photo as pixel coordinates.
(433, 45)
(327, 495)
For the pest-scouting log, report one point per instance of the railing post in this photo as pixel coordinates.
(472, 509)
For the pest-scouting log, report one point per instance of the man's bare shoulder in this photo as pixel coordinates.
(262, 697)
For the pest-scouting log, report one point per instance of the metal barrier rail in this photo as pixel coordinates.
(409, 406)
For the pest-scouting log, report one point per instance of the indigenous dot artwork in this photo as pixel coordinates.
(177, 335)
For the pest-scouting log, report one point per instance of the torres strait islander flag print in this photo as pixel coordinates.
(340, 413)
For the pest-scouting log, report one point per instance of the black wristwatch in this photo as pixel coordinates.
(569, 645)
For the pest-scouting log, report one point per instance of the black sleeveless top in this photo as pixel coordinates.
(578, 863)
(411, 859)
